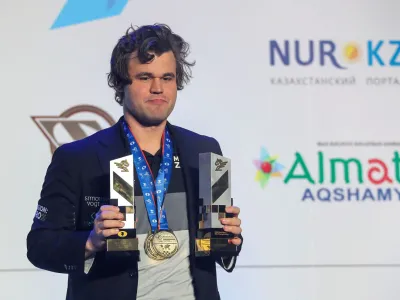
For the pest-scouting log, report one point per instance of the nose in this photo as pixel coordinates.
(156, 86)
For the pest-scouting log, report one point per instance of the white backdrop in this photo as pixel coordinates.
(295, 248)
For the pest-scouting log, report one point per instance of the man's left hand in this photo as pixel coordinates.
(233, 224)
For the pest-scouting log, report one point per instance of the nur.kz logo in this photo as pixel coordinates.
(82, 11)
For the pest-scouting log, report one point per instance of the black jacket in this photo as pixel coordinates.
(63, 222)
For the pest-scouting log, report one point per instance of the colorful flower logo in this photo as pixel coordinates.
(267, 167)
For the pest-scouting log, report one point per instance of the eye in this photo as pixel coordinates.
(168, 78)
(144, 78)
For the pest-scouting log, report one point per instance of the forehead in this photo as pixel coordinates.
(160, 64)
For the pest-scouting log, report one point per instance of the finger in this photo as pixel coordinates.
(106, 224)
(109, 215)
(109, 232)
(233, 229)
(231, 221)
(109, 207)
(105, 208)
(236, 241)
(233, 210)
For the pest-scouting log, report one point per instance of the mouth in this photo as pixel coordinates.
(157, 101)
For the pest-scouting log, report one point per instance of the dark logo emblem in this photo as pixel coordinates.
(123, 165)
(220, 164)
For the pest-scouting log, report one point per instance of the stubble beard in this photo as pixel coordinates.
(145, 120)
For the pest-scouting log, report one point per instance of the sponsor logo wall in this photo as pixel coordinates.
(302, 96)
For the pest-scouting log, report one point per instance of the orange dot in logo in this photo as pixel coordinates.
(351, 52)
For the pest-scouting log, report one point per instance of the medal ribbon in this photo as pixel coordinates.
(153, 189)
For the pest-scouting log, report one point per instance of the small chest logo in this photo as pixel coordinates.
(176, 162)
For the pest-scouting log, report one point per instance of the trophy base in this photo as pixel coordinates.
(214, 242)
(125, 240)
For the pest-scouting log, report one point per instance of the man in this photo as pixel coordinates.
(148, 67)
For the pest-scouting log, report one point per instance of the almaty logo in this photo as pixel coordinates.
(267, 167)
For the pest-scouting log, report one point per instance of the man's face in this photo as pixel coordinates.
(151, 97)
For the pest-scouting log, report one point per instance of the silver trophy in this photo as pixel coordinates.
(214, 197)
(122, 195)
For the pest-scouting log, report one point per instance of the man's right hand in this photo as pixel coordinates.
(107, 223)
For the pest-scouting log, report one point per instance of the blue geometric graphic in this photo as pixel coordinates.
(81, 11)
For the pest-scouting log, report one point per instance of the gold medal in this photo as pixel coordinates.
(149, 249)
(165, 243)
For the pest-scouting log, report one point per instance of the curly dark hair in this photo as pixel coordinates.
(157, 38)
